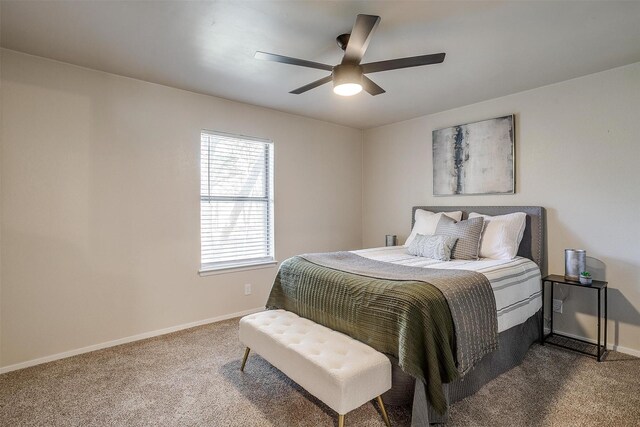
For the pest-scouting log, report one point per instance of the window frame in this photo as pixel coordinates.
(211, 268)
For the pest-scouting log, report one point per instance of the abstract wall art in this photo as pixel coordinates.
(475, 158)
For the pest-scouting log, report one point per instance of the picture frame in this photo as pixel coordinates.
(476, 158)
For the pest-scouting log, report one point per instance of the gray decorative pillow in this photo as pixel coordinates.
(468, 233)
(435, 247)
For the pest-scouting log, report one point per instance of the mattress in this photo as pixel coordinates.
(516, 283)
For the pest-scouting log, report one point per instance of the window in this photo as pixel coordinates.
(236, 201)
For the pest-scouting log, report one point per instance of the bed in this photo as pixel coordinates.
(493, 305)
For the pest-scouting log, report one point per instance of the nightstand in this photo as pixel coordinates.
(597, 285)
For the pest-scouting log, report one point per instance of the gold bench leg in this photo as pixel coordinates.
(384, 411)
(340, 420)
(244, 359)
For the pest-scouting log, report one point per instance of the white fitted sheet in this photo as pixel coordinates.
(516, 283)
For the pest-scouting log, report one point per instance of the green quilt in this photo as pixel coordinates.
(408, 319)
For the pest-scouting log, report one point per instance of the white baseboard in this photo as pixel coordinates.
(125, 340)
(621, 349)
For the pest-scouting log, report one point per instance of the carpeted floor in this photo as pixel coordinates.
(192, 378)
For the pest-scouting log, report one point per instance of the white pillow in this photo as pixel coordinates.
(426, 222)
(501, 235)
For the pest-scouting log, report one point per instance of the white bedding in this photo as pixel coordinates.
(516, 283)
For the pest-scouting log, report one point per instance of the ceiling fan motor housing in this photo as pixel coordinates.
(346, 73)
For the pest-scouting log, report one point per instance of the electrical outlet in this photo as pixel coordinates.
(557, 306)
(247, 289)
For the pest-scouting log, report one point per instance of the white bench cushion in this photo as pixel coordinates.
(339, 370)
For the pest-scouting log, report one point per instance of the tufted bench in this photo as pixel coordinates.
(339, 370)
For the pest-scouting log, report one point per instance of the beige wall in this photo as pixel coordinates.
(100, 204)
(99, 197)
(577, 154)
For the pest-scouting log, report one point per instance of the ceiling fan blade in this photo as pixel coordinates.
(394, 64)
(371, 87)
(312, 85)
(292, 61)
(360, 37)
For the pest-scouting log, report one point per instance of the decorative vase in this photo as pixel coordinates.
(575, 262)
(391, 240)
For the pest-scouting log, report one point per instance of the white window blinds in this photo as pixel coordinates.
(236, 201)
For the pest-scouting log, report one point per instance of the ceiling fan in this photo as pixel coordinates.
(349, 76)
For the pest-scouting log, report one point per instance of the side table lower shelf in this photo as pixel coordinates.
(601, 347)
(579, 345)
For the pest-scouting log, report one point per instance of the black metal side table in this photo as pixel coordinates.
(598, 285)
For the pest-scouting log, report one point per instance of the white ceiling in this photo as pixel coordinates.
(493, 48)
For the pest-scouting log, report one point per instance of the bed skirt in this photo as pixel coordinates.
(513, 345)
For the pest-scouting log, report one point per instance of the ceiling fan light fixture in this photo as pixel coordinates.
(347, 80)
(347, 89)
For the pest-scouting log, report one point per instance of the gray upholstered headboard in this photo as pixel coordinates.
(533, 245)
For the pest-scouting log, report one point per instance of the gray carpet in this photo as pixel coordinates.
(192, 378)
